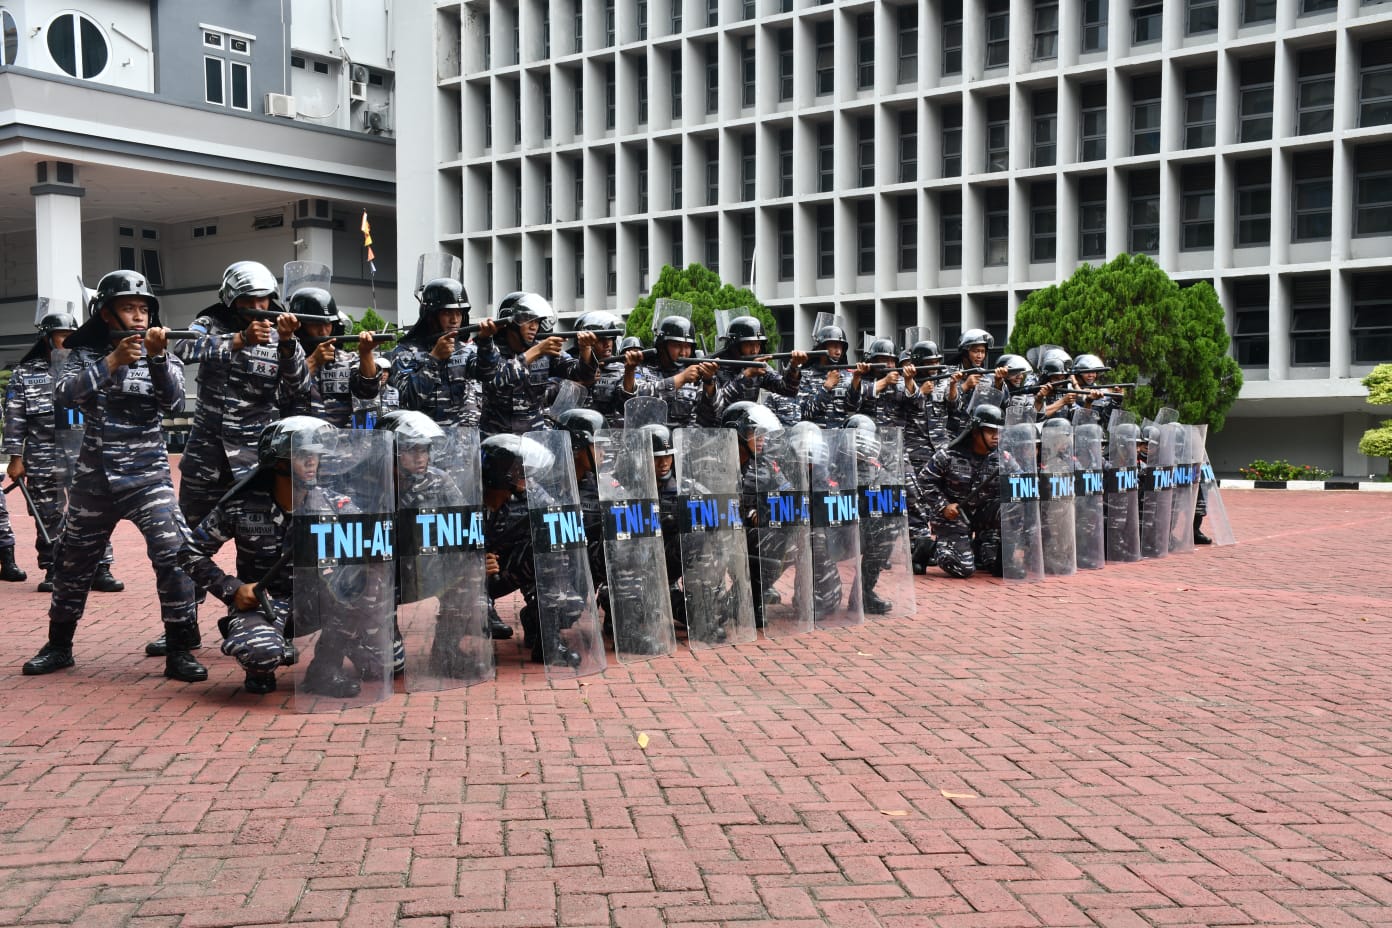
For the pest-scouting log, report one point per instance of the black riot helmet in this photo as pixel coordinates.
(925, 352)
(661, 437)
(1014, 364)
(750, 420)
(828, 335)
(1053, 366)
(987, 416)
(582, 424)
(316, 301)
(278, 437)
(247, 278)
(598, 319)
(56, 322)
(521, 307)
(972, 337)
(506, 458)
(413, 429)
(444, 293)
(741, 330)
(880, 348)
(125, 283)
(676, 329)
(630, 343)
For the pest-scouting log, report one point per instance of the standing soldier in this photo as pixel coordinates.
(435, 369)
(743, 340)
(336, 378)
(826, 395)
(32, 424)
(688, 391)
(124, 385)
(514, 398)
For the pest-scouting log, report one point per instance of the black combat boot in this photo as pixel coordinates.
(46, 584)
(498, 630)
(260, 682)
(103, 582)
(925, 554)
(179, 662)
(1199, 537)
(10, 572)
(57, 654)
(158, 647)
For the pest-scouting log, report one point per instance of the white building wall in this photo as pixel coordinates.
(124, 26)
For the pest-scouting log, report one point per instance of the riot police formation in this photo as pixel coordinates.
(685, 487)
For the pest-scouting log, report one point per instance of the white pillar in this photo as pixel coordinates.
(58, 234)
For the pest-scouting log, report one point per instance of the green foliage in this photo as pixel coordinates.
(1379, 384)
(1172, 340)
(703, 289)
(1377, 443)
(1282, 470)
(370, 322)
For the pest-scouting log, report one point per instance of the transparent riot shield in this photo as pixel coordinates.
(779, 536)
(1186, 489)
(344, 567)
(1157, 481)
(644, 410)
(68, 425)
(1090, 486)
(1022, 550)
(443, 603)
(301, 274)
(986, 392)
(664, 307)
(715, 558)
(435, 265)
(1057, 498)
(569, 395)
(572, 635)
(639, 606)
(1123, 489)
(1216, 511)
(830, 457)
(886, 579)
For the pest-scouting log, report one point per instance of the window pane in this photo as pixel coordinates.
(62, 43)
(241, 86)
(212, 80)
(93, 48)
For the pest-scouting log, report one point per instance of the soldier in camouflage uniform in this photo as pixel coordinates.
(973, 346)
(436, 371)
(124, 390)
(744, 340)
(513, 400)
(689, 392)
(828, 397)
(336, 378)
(607, 394)
(961, 488)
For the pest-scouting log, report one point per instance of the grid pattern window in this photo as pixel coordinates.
(785, 162)
(1094, 25)
(226, 64)
(826, 158)
(1253, 202)
(826, 57)
(865, 51)
(1202, 16)
(1372, 203)
(712, 79)
(785, 243)
(908, 146)
(747, 166)
(952, 37)
(1375, 83)
(865, 237)
(950, 211)
(1092, 123)
(610, 96)
(712, 235)
(1146, 22)
(998, 134)
(997, 226)
(1258, 11)
(676, 175)
(608, 23)
(1314, 105)
(1046, 24)
(1200, 108)
(747, 234)
(712, 172)
(1256, 98)
(826, 242)
(676, 8)
(1312, 195)
(865, 152)
(997, 33)
(952, 140)
(1043, 221)
(785, 65)
(1196, 206)
(748, 71)
(611, 186)
(1251, 337)
(643, 91)
(1309, 327)
(712, 12)
(1144, 195)
(642, 182)
(641, 15)
(1318, 6)
(1372, 318)
(1044, 152)
(1145, 114)
(908, 44)
(1092, 217)
(906, 211)
(676, 84)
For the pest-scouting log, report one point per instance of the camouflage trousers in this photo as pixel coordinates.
(255, 642)
(204, 478)
(963, 550)
(91, 519)
(7, 539)
(50, 507)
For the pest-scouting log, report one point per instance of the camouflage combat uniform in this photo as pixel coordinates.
(959, 475)
(513, 399)
(450, 391)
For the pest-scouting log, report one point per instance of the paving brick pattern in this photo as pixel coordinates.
(1203, 740)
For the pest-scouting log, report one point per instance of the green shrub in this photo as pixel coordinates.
(1283, 470)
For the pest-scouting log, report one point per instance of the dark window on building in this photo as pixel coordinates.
(676, 84)
(1146, 19)
(1251, 339)
(712, 79)
(642, 91)
(997, 33)
(1315, 91)
(1144, 194)
(1200, 108)
(1145, 114)
(1094, 25)
(907, 209)
(1092, 124)
(1372, 318)
(642, 181)
(610, 103)
(747, 166)
(826, 158)
(1196, 207)
(1203, 17)
(1258, 11)
(1092, 217)
(785, 243)
(865, 51)
(748, 71)
(608, 22)
(785, 162)
(712, 12)
(747, 239)
(1318, 6)
(1043, 221)
(1046, 23)
(1257, 95)
(951, 212)
(952, 37)
(997, 226)
(1312, 194)
(826, 242)
(785, 64)
(713, 243)
(826, 57)
(1375, 83)
(865, 151)
(865, 237)
(908, 146)
(676, 176)
(1045, 149)
(908, 44)
(1372, 203)
(1253, 201)
(712, 172)
(952, 140)
(1309, 332)
(998, 134)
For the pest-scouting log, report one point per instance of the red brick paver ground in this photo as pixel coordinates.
(1198, 741)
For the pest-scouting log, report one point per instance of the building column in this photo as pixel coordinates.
(58, 234)
(313, 227)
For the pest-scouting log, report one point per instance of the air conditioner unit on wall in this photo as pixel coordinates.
(357, 91)
(280, 104)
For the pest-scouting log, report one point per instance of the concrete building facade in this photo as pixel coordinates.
(929, 164)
